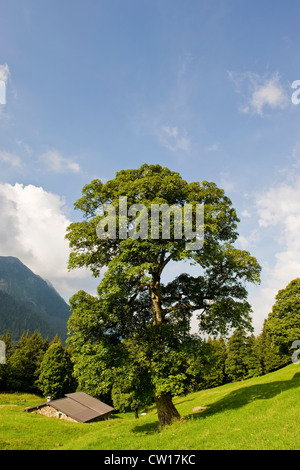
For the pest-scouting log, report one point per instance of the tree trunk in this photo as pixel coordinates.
(155, 294)
(166, 410)
(136, 413)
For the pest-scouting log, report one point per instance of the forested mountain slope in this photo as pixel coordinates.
(29, 302)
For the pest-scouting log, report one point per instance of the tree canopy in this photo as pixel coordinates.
(283, 323)
(135, 306)
(56, 371)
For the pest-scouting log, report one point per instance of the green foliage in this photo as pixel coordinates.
(93, 370)
(132, 300)
(25, 362)
(132, 387)
(35, 365)
(130, 392)
(56, 372)
(283, 324)
(268, 355)
(239, 363)
(213, 357)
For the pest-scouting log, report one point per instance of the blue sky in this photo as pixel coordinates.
(202, 87)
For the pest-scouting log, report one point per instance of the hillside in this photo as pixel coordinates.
(261, 413)
(29, 302)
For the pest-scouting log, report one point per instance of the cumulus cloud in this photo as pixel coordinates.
(56, 163)
(260, 93)
(279, 207)
(278, 211)
(33, 227)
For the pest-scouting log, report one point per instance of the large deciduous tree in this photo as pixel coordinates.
(134, 307)
(283, 323)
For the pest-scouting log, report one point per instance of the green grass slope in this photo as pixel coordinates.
(261, 413)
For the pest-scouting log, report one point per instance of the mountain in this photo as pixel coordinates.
(28, 302)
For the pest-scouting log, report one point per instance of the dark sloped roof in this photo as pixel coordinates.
(74, 409)
(90, 402)
(79, 406)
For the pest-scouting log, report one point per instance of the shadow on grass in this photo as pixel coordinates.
(247, 394)
(234, 400)
(114, 415)
(184, 401)
(147, 428)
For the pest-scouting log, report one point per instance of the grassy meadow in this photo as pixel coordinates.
(261, 413)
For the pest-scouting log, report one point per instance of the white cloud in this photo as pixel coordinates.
(33, 228)
(279, 221)
(36, 227)
(279, 208)
(270, 93)
(171, 138)
(260, 93)
(4, 72)
(56, 163)
(10, 158)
